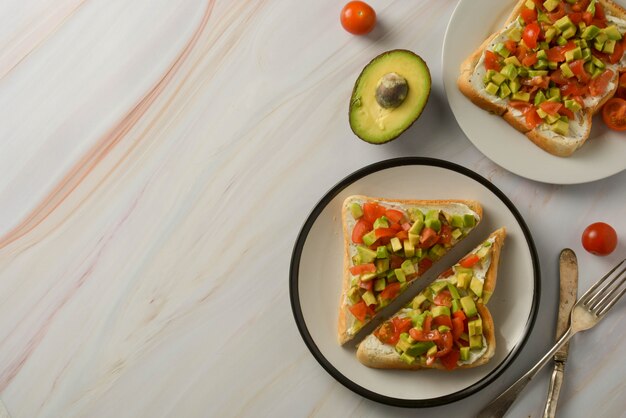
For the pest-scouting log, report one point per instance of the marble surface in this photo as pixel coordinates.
(157, 161)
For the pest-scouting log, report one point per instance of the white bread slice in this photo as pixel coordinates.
(373, 353)
(470, 84)
(346, 320)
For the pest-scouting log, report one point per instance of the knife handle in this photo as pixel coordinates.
(553, 391)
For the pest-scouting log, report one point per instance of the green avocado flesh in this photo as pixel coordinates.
(389, 96)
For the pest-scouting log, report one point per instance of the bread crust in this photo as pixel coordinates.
(372, 353)
(344, 313)
(553, 145)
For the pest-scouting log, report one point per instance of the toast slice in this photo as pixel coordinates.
(388, 245)
(455, 300)
(528, 69)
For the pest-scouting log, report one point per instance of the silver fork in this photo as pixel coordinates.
(588, 311)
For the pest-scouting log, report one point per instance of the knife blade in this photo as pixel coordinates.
(568, 290)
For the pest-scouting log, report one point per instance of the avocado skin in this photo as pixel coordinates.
(363, 73)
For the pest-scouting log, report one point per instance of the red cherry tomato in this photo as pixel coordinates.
(531, 34)
(621, 89)
(614, 114)
(358, 18)
(599, 238)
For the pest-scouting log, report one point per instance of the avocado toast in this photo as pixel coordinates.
(388, 245)
(550, 69)
(447, 325)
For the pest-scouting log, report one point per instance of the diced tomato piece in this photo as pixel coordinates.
(532, 118)
(555, 54)
(531, 59)
(621, 88)
(396, 227)
(551, 108)
(418, 335)
(362, 268)
(359, 310)
(599, 23)
(445, 344)
(539, 5)
(394, 215)
(519, 105)
(386, 333)
(368, 285)
(447, 273)
(492, 61)
(428, 238)
(426, 325)
(573, 88)
(451, 359)
(457, 328)
(406, 226)
(402, 324)
(543, 82)
(424, 264)
(372, 211)
(616, 56)
(579, 71)
(384, 232)
(445, 236)
(469, 261)
(576, 17)
(443, 298)
(361, 228)
(566, 112)
(459, 314)
(599, 12)
(511, 46)
(581, 5)
(528, 15)
(531, 34)
(557, 13)
(442, 320)
(402, 235)
(391, 291)
(600, 55)
(395, 261)
(599, 84)
(587, 17)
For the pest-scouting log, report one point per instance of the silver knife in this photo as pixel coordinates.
(568, 271)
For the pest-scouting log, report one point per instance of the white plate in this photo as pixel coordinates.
(316, 275)
(601, 156)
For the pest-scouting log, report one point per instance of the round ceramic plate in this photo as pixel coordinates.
(316, 275)
(601, 156)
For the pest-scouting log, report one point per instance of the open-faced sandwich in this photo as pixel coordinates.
(388, 244)
(447, 325)
(550, 69)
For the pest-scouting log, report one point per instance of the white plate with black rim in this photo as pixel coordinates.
(316, 275)
(601, 156)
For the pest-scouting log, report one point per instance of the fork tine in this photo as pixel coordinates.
(593, 303)
(612, 302)
(591, 292)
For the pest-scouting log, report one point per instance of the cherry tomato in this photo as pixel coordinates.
(621, 89)
(599, 238)
(531, 34)
(358, 18)
(614, 114)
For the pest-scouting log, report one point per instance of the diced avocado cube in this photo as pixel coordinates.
(589, 67)
(488, 75)
(476, 286)
(367, 255)
(417, 227)
(515, 34)
(612, 33)
(440, 310)
(542, 113)
(432, 214)
(469, 220)
(515, 85)
(590, 32)
(530, 4)
(592, 7)
(482, 252)
(465, 354)
(524, 97)
(456, 305)
(553, 65)
(542, 55)
(356, 259)
(454, 291)
(369, 238)
(431, 351)
(569, 32)
(564, 118)
(561, 41)
(550, 33)
(419, 323)
(537, 73)
(437, 286)
(468, 305)
(443, 328)
(542, 17)
(382, 265)
(369, 298)
(356, 210)
(573, 105)
(380, 284)
(552, 118)
(523, 71)
(573, 54)
(581, 43)
(554, 92)
(420, 348)
(396, 245)
(407, 267)
(509, 71)
(417, 301)
(437, 252)
(457, 221)
(540, 65)
(409, 248)
(414, 239)
(402, 345)
(587, 54)
(400, 275)
(581, 27)
(415, 214)
(381, 222)
(598, 46)
(564, 23)
(601, 37)
(512, 60)
(381, 252)
(609, 47)
(560, 127)
(463, 280)
(478, 326)
(456, 233)
(550, 5)
(433, 224)
(543, 45)
(597, 72)
(501, 50)
(391, 276)
(354, 295)
(540, 98)
(476, 342)
(471, 328)
(366, 277)
(597, 62)
(407, 358)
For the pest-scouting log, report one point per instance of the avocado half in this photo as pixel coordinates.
(389, 96)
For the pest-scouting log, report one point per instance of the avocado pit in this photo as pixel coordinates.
(391, 90)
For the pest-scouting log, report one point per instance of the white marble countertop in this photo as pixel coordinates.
(157, 161)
